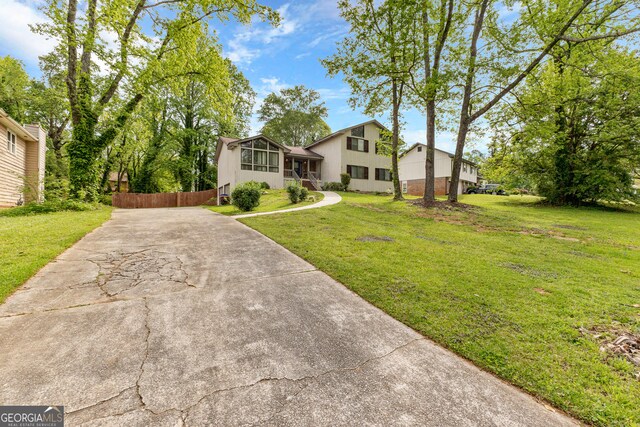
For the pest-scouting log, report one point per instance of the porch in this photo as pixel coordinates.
(303, 166)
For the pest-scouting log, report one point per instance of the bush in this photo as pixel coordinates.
(345, 179)
(297, 193)
(106, 199)
(265, 185)
(34, 208)
(332, 186)
(246, 196)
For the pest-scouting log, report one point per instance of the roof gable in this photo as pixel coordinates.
(342, 131)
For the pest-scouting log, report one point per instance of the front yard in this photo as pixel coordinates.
(28, 243)
(274, 200)
(528, 292)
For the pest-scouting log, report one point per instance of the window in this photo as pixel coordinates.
(11, 142)
(464, 167)
(357, 144)
(259, 155)
(419, 149)
(358, 172)
(359, 132)
(383, 174)
(471, 170)
(404, 187)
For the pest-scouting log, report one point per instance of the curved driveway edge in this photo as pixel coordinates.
(184, 317)
(330, 198)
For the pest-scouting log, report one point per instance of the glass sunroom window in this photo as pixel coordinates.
(258, 155)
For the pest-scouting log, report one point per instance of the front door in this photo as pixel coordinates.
(297, 166)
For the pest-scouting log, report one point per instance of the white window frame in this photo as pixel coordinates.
(404, 187)
(11, 142)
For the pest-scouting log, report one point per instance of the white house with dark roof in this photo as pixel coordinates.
(411, 167)
(351, 150)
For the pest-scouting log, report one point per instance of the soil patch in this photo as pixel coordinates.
(375, 239)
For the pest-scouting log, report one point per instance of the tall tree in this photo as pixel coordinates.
(294, 117)
(575, 130)
(376, 59)
(440, 27)
(167, 51)
(508, 54)
(14, 85)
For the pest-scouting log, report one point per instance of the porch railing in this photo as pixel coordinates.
(314, 181)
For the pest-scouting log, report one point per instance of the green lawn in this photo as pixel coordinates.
(274, 200)
(27, 243)
(525, 291)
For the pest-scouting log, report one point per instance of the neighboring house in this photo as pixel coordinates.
(351, 150)
(22, 161)
(412, 174)
(119, 183)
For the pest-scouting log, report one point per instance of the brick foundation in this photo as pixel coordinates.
(415, 187)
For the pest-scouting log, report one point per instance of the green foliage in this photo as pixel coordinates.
(265, 185)
(294, 117)
(345, 179)
(246, 196)
(141, 60)
(49, 206)
(333, 186)
(297, 193)
(579, 137)
(14, 83)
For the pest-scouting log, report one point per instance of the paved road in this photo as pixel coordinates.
(181, 316)
(330, 198)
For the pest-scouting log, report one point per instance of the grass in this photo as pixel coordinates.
(274, 200)
(28, 243)
(526, 291)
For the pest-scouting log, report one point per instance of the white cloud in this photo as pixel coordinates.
(16, 37)
(245, 46)
(336, 33)
(329, 94)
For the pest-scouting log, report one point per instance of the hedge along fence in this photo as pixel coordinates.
(164, 200)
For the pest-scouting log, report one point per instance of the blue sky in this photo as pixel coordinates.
(271, 58)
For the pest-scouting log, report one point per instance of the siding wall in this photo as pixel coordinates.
(337, 157)
(230, 172)
(411, 167)
(35, 159)
(12, 169)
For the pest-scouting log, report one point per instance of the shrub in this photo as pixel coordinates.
(246, 196)
(106, 199)
(295, 192)
(34, 208)
(332, 186)
(345, 179)
(265, 185)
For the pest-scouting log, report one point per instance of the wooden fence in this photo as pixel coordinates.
(164, 200)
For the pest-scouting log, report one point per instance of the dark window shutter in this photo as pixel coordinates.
(366, 173)
(349, 143)
(366, 146)
(349, 169)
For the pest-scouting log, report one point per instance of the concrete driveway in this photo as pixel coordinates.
(181, 316)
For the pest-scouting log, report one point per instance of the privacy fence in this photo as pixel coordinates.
(164, 200)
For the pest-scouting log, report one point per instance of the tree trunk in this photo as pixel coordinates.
(397, 191)
(429, 166)
(465, 120)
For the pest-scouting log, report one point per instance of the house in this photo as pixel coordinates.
(119, 182)
(411, 168)
(351, 150)
(22, 161)
(354, 151)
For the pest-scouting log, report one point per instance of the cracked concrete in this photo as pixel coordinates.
(184, 317)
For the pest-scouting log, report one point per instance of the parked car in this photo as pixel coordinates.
(487, 189)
